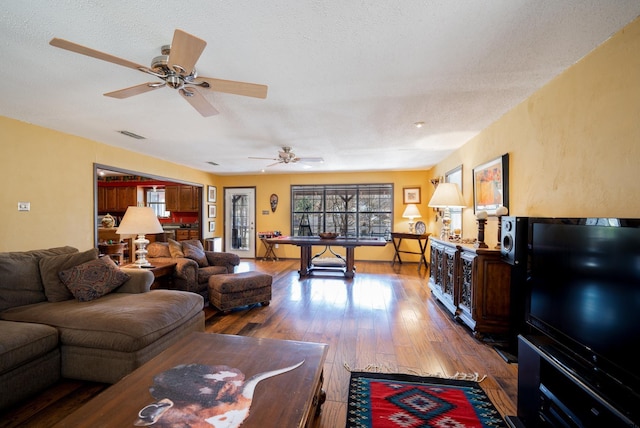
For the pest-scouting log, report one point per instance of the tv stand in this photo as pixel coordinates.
(555, 391)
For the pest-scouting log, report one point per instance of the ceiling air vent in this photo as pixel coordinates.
(132, 135)
(213, 163)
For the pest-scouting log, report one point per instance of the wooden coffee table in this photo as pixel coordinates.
(162, 273)
(290, 399)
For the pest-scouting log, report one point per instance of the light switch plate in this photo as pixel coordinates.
(24, 206)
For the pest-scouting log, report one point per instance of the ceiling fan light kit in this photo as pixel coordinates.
(286, 156)
(176, 69)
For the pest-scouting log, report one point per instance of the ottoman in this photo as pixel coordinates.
(228, 291)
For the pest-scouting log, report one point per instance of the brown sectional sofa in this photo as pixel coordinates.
(46, 334)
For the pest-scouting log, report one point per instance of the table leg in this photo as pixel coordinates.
(305, 260)
(350, 270)
(396, 246)
(423, 249)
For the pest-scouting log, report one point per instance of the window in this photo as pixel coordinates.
(352, 210)
(155, 199)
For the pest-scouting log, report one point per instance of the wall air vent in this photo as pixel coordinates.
(132, 135)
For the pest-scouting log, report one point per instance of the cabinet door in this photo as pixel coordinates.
(111, 199)
(171, 198)
(182, 234)
(467, 293)
(194, 234)
(127, 197)
(102, 200)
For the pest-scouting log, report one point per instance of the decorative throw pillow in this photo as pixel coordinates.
(54, 289)
(195, 251)
(93, 279)
(175, 248)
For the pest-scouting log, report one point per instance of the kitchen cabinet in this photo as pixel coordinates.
(116, 199)
(185, 234)
(183, 198)
(474, 284)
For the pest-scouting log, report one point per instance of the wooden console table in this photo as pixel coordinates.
(306, 242)
(422, 239)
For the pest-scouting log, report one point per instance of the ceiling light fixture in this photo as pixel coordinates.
(419, 124)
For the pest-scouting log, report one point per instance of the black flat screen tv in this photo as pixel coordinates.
(584, 293)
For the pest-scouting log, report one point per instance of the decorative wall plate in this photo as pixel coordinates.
(421, 228)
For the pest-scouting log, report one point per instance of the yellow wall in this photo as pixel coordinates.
(574, 148)
(54, 172)
(280, 184)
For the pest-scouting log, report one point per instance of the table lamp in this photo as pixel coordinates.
(411, 212)
(140, 221)
(446, 196)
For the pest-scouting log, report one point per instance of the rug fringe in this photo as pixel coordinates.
(376, 368)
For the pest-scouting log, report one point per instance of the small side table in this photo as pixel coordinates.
(423, 239)
(162, 273)
(269, 254)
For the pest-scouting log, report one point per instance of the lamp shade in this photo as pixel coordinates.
(447, 195)
(139, 221)
(411, 212)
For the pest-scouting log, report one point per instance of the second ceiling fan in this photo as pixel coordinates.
(174, 68)
(286, 156)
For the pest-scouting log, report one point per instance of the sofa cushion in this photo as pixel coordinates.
(158, 249)
(118, 321)
(20, 281)
(194, 250)
(175, 248)
(54, 288)
(22, 342)
(94, 279)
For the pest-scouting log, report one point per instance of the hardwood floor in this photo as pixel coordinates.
(384, 319)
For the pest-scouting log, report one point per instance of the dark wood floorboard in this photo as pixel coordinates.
(384, 319)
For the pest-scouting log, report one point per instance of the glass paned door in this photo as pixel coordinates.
(240, 235)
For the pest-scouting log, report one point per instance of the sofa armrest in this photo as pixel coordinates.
(140, 281)
(228, 260)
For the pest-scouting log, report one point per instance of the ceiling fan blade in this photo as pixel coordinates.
(134, 90)
(274, 164)
(237, 88)
(185, 51)
(310, 159)
(253, 157)
(74, 47)
(199, 102)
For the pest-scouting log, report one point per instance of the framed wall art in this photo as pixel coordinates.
(212, 193)
(491, 185)
(212, 226)
(411, 195)
(212, 211)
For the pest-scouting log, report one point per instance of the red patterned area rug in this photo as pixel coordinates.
(382, 400)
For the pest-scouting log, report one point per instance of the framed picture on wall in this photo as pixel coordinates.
(212, 194)
(411, 195)
(212, 211)
(491, 185)
(212, 226)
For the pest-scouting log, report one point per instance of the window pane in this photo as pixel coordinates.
(351, 210)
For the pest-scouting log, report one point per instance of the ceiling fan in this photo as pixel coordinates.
(174, 68)
(286, 156)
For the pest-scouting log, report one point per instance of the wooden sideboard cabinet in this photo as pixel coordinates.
(474, 284)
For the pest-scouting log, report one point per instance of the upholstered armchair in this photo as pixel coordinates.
(194, 265)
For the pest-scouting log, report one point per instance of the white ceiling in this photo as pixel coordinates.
(347, 79)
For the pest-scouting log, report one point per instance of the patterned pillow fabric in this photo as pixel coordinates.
(175, 248)
(195, 252)
(93, 279)
(54, 289)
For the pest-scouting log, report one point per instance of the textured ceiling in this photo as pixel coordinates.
(347, 79)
